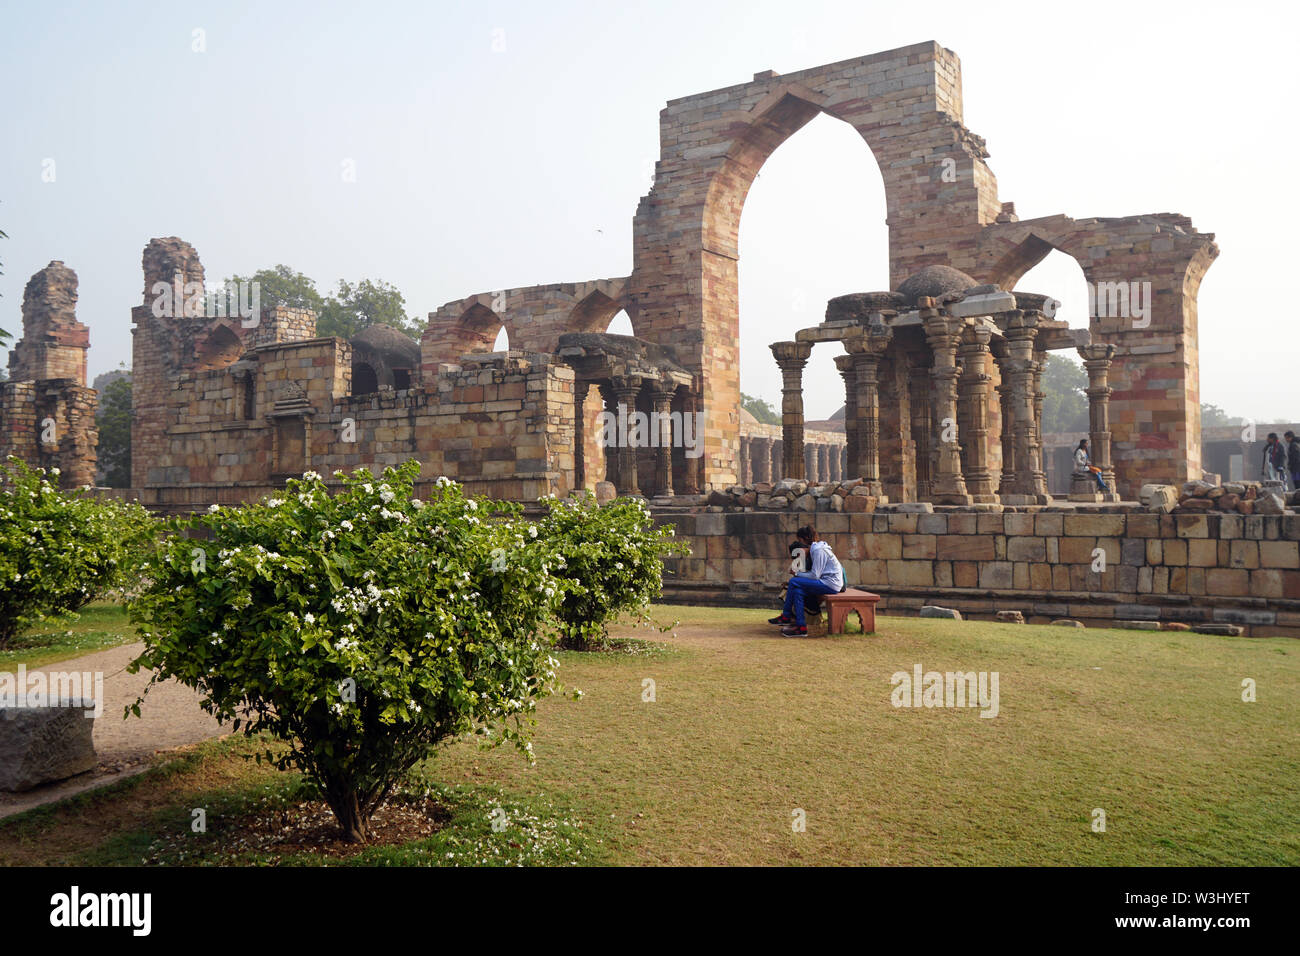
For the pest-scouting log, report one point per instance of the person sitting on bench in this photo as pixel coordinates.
(825, 577)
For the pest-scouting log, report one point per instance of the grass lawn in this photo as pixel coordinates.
(747, 727)
(98, 626)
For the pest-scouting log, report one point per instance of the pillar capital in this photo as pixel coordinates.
(791, 354)
(1097, 353)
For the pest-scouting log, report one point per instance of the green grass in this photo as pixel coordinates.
(747, 727)
(96, 627)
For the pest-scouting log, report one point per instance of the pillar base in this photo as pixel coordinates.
(952, 499)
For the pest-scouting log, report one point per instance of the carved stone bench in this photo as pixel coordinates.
(840, 606)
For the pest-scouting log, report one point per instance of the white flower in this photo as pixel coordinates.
(417, 504)
(471, 504)
(309, 617)
(532, 531)
(213, 509)
(311, 476)
(274, 502)
(385, 495)
(346, 525)
(368, 488)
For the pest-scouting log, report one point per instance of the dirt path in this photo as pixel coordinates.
(169, 717)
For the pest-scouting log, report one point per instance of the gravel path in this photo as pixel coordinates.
(169, 717)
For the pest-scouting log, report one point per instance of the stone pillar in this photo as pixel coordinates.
(943, 333)
(1007, 482)
(1097, 359)
(760, 456)
(810, 463)
(662, 397)
(626, 391)
(1040, 468)
(778, 459)
(746, 462)
(847, 372)
(1029, 486)
(834, 456)
(792, 357)
(919, 402)
(580, 390)
(867, 349)
(693, 468)
(975, 385)
(823, 464)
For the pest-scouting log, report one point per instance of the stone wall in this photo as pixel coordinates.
(1194, 568)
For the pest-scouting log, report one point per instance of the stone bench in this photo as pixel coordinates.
(840, 606)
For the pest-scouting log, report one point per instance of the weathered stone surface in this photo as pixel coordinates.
(1011, 617)
(931, 610)
(1067, 622)
(1136, 625)
(1269, 504)
(1228, 630)
(805, 503)
(45, 744)
(605, 492)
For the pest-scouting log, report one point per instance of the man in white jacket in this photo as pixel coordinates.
(825, 577)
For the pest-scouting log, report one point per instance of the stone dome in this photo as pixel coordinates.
(747, 417)
(935, 282)
(396, 349)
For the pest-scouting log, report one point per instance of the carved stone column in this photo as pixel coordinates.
(791, 357)
(1040, 469)
(663, 405)
(975, 385)
(778, 459)
(847, 372)
(810, 463)
(919, 405)
(1028, 487)
(867, 349)
(580, 390)
(746, 460)
(943, 333)
(823, 464)
(1007, 483)
(760, 458)
(626, 391)
(1097, 359)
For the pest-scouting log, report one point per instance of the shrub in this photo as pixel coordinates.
(361, 628)
(61, 550)
(612, 562)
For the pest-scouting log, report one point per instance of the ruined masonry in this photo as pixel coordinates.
(943, 402)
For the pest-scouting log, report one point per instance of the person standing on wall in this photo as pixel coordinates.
(1293, 459)
(1274, 466)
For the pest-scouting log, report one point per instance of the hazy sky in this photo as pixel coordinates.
(507, 144)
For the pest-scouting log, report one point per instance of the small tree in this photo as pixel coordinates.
(114, 423)
(61, 550)
(362, 628)
(612, 562)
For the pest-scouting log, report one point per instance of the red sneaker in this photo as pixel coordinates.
(794, 631)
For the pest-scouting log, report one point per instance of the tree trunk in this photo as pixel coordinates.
(347, 811)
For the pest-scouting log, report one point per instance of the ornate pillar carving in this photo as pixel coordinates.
(847, 372)
(580, 390)
(867, 349)
(943, 333)
(693, 468)
(1007, 482)
(778, 460)
(1097, 359)
(791, 357)
(975, 385)
(1022, 328)
(1040, 469)
(923, 457)
(663, 406)
(626, 390)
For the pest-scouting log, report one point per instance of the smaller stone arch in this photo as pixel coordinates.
(220, 348)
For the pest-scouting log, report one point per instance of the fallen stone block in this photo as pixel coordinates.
(1227, 630)
(1011, 617)
(1174, 626)
(1067, 622)
(605, 492)
(1269, 503)
(1161, 498)
(931, 610)
(1136, 625)
(45, 744)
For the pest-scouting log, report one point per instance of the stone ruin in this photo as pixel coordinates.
(47, 413)
(937, 465)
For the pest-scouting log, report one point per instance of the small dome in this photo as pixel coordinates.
(935, 282)
(747, 417)
(856, 306)
(396, 349)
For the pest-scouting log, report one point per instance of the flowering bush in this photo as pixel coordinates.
(361, 628)
(60, 550)
(612, 562)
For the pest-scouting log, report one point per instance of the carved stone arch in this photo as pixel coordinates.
(219, 348)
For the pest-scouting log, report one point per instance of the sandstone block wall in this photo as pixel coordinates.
(1190, 568)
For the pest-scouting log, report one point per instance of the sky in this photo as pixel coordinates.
(496, 145)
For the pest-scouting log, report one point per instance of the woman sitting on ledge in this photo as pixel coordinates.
(826, 577)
